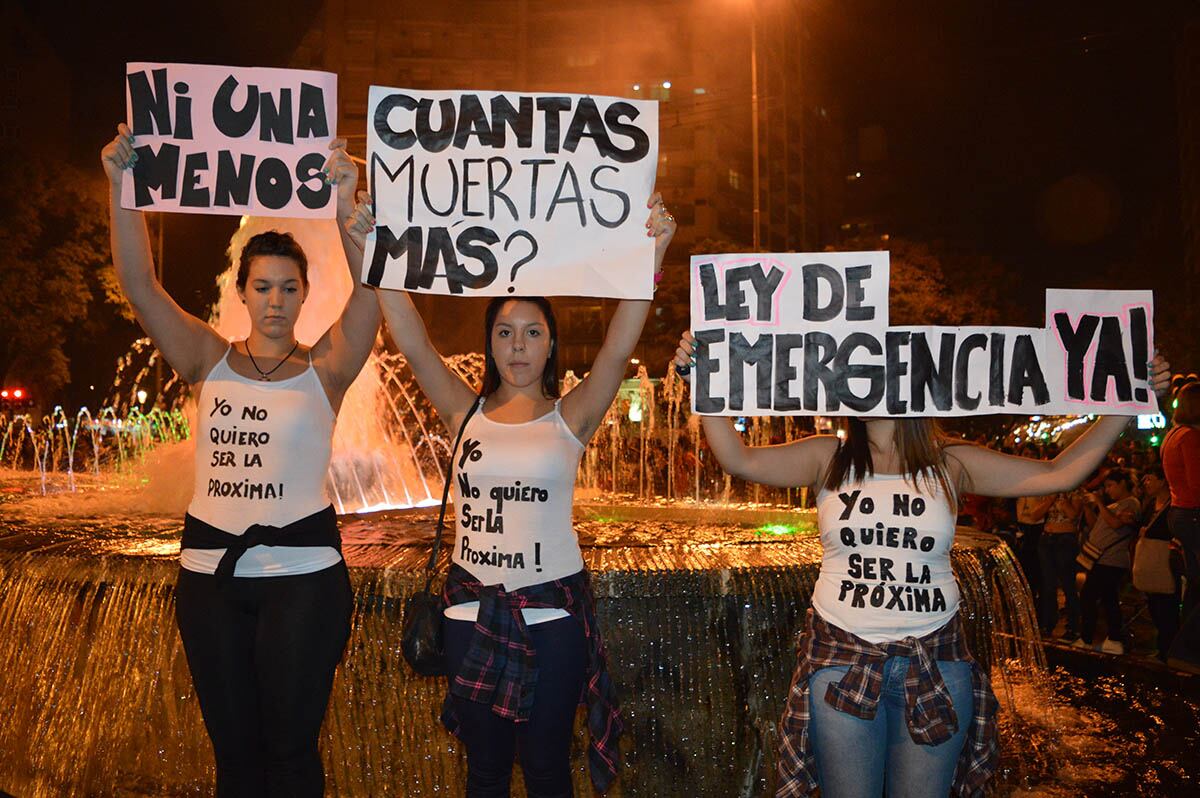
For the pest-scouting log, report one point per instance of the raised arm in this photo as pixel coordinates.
(789, 465)
(1043, 507)
(189, 345)
(583, 408)
(340, 353)
(449, 395)
(991, 473)
(1123, 516)
(800, 463)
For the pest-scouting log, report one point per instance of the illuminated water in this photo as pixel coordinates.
(699, 619)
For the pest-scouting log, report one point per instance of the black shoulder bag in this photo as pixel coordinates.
(421, 638)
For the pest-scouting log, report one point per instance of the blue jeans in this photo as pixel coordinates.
(857, 758)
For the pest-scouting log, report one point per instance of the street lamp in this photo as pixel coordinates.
(754, 121)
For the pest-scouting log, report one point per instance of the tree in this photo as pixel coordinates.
(930, 288)
(54, 267)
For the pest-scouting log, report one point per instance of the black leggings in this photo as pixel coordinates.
(1102, 587)
(262, 652)
(543, 743)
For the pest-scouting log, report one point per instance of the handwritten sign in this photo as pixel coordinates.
(809, 334)
(230, 140)
(496, 193)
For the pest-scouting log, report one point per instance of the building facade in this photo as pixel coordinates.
(693, 57)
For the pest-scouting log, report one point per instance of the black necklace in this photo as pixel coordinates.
(266, 375)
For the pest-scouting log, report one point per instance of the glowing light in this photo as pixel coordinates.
(4, 394)
(141, 396)
(858, 174)
(1154, 440)
(18, 393)
(635, 411)
(1151, 421)
(666, 84)
(634, 361)
(777, 529)
(637, 87)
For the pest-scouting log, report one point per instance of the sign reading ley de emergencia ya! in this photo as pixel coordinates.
(496, 193)
(808, 334)
(230, 140)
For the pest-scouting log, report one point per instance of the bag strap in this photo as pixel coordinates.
(1153, 520)
(1115, 543)
(431, 565)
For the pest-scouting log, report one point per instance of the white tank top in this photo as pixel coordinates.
(514, 488)
(885, 568)
(262, 455)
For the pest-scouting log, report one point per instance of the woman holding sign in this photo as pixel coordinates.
(521, 639)
(263, 599)
(886, 694)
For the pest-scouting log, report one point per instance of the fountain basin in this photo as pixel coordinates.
(699, 619)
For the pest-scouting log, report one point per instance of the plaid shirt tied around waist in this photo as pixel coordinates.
(501, 667)
(931, 716)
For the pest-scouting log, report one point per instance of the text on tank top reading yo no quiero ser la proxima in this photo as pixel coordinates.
(514, 488)
(885, 571)
(262, 457)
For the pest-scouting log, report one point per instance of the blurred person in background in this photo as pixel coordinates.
(1181, 465)
(1111, 533)
(1163, 605)
(1057, 549)
(1031, 518)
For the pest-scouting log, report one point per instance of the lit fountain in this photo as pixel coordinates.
(699, 600)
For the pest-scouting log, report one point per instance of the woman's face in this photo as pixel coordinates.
(1115, 489)
(520, 343)
(1152, 484)
(274, 293)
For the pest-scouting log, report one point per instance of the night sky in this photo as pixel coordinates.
(1040, 134)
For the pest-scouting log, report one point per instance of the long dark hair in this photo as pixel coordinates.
(919, 442)
(491, 374)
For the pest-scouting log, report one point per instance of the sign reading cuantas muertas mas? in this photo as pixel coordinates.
(808, 334)
(229, 140)
(498, 193)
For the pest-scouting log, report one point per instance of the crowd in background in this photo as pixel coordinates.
(1122, 544)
